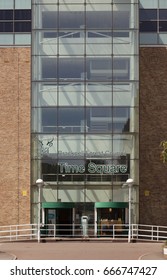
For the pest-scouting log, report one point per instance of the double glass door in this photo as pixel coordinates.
(61, 219)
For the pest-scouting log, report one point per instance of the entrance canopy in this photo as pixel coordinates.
(111, 204)
(58, 205)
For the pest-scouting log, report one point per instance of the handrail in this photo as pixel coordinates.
(156, 233)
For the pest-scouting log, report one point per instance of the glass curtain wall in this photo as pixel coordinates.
(85, 100)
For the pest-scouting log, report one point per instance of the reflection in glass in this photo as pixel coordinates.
(71, 19)
(49, 20)
(71, 120)
(49, 68)
(85, 95)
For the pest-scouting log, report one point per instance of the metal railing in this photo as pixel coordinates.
(59, 231)
(149, 232)
(18, 232)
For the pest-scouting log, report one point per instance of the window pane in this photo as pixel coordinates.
(163, 38)
(98, 145)
(72, 47)
(22, 26)
(123, 144)
(148, 14)
(22, 4)
(71, 20)
(22, 39)
(71, 16)
(49, 167)
(22, 14)
(149, 3)
(121, 119)
(6, 26)
(99, 119)
(44, 95)
(121, 68)
(71, 146)
(49, 20)
(98, 20)
(162, 26)
(67, 1)
(71, 170)
(99, 94)
(124, 94)
(121, 20)
(49, 120)
(147, 26)
(162, 4)
(163, 14)
(71, 120)
(49, 68)
(71, 94)
(6, 4)
(148, 38)
(6, 39)
(99, 69)
(44, 146)
(6, 15)
(71, 68)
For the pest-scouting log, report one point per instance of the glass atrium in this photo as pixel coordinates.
(85, 107)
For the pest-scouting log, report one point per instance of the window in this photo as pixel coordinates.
(98, 20)
(6, 26)
(121, 68)
(162, 26)
(148, 20)
(148, 26)
(22, 14)
(148, 14)
(6, 15)
(163, 20)
(49, 68)
(71, 120)
(49, 20)
(15, 20)
(22, 26)
(49, 120)
(163, 14)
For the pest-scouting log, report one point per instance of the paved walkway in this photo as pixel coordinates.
(81, 250)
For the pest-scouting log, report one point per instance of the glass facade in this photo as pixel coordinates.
(85, 124)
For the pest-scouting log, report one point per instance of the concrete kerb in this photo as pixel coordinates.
(7, 256)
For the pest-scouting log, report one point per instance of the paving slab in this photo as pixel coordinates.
(81, 250)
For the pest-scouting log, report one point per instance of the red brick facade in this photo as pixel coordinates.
(15, 135)
(153, 129)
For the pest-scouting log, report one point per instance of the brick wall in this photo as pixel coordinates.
(14, 135)
(153, 129)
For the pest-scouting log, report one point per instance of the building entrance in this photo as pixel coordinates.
(64, 221)
(111, 218)
(103, 218)
(60, 217)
